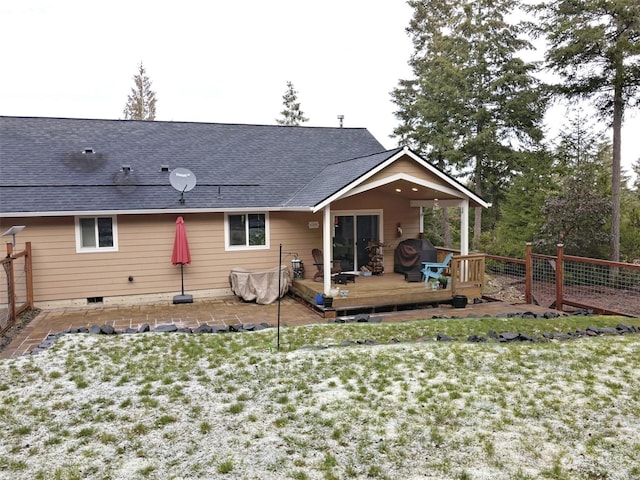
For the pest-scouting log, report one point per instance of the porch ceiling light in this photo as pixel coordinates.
(398, 190)
(415, 189)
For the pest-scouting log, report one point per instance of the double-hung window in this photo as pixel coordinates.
(96, 234)
(246, 231)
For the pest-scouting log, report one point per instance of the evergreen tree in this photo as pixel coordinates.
(578, 212)
(521, 220)
(595, 46)
(141, 103)
(630, 219)
(636, 170)
(630, 226)
(291, 115)
(473, 103)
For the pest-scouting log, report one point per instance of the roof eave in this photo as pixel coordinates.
(66, 213)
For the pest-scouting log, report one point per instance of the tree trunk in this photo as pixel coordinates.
(477, 221)
(615, 186)
(618, 109)
(446, 228)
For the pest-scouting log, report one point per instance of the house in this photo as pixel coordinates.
(99, 207)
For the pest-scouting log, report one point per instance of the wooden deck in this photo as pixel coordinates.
(391, 292)
(377, 293)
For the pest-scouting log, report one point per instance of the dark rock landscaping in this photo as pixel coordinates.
(502, 337)
(23, 320)
(144, 328)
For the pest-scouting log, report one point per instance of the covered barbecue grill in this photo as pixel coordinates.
(410, 254)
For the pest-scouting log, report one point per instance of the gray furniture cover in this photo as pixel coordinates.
(261, 285)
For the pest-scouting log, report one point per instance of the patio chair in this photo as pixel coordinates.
(318, 261)
(428, 272)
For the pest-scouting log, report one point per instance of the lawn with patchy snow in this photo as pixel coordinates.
(178, 406)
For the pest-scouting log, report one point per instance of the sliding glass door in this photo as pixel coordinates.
(351, 235)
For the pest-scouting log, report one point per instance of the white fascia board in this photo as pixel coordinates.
(441, 203)
(455, 184)
(67, 213)
(460, 190)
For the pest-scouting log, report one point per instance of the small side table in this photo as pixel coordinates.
(343, 278)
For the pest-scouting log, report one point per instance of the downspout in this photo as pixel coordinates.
(327, 251)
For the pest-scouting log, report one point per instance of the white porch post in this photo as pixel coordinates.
(464, 227)
(421, 221)
(326, 248)
(464, 238)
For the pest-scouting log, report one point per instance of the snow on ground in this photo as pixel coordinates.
(169, 406)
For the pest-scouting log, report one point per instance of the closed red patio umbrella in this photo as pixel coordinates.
(181, 256)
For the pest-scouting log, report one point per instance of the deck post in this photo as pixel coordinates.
(464, 238)
(464, 227)
(327, 248)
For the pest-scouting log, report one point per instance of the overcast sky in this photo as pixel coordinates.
(215, 61)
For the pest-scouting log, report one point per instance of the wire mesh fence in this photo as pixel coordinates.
(504, 279)
(20, 280)
(565, 282)
(600, 285)
(543, 280)
(6, 308)
(15, 286)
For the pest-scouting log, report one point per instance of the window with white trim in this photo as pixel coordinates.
(96, 234)
(246, 231)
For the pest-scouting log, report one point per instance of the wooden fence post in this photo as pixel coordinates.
(559, 275)
(29, 274)
(11, 284)
(528, 274)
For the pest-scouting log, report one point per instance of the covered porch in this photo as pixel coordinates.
(392, 292)
(381, 208)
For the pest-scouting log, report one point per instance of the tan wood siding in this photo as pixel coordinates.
(145, 244)
(293, 231)
(406, 166)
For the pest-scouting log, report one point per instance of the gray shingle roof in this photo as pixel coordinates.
(43, 169)
(332, 177)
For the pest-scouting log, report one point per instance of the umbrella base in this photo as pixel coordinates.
(182, 299)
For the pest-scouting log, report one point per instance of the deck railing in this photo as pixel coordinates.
(466, 272)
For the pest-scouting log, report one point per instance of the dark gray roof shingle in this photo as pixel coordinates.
(332, 178)
(43, 167)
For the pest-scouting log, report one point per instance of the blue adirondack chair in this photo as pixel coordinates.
(428, 268)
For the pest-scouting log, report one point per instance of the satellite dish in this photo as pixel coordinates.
(183, 180)
(13, 231)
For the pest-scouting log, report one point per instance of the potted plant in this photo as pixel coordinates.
(327, 300)
(444, 281)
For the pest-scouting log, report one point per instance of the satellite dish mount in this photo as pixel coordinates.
(12, 232)
(183, 180)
